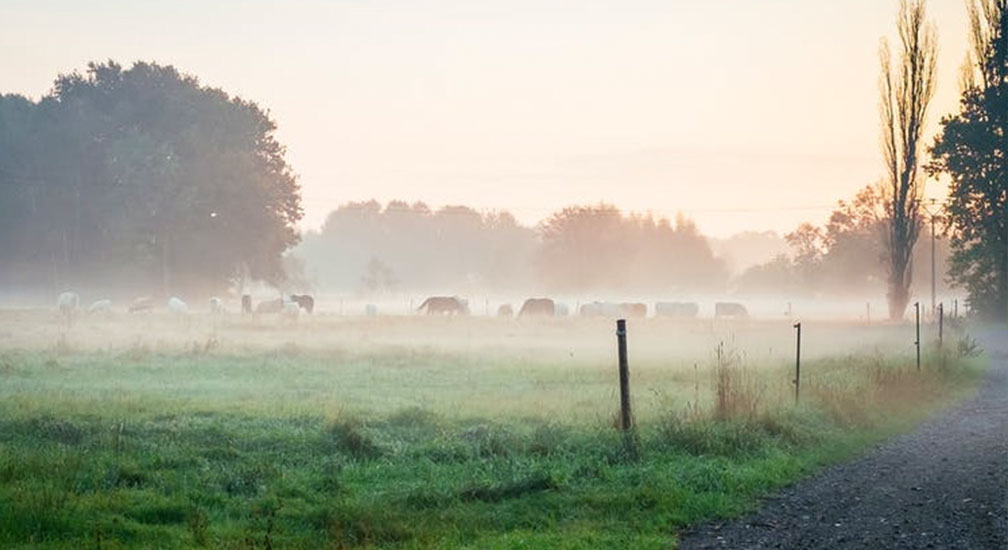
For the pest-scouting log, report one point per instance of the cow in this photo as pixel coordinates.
(537, 307)
(67, 303)
(445, 304)
(370, 310)
(216, 305)
(730, 310)
(144, 303)
(177, 306)
(246, 303)
(505, 310)
(270, 306)
(304, 301)
(677, 310)
(100, 306)
(600, 309)
(635, 310)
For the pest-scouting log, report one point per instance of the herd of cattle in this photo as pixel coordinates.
(291, 306)
(546, 307)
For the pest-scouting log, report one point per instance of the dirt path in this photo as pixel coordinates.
(943, 486)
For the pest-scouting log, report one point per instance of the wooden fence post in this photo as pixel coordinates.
(941, 323)
(797, 364)
(626, 419)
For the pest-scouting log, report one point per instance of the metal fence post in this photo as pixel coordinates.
(917, 341)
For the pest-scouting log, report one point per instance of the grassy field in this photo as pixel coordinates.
(151, 432)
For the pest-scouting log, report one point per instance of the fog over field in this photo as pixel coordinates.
(458, 275)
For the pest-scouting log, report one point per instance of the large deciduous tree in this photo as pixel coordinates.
(148, 178)
(972, 149)
(906, 91)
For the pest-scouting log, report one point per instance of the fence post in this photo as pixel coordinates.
(626, 420)
(955, 309)
(941, 323)
(867, 306)
(797, 361)
(917, 341)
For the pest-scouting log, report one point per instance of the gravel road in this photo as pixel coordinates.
(943, 486)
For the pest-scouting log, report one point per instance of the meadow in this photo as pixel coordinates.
(150, 431)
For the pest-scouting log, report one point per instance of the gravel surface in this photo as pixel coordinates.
(943, 486)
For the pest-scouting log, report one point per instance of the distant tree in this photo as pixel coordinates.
(775, 277)
(906, 92)
(451, 249)
(378, 277)
(972, 149)
(583, 247)
(806, 243)
(598, 248)
(854, 241)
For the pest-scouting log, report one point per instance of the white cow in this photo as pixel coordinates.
(67, 303)
(100, 306)
(216, 305)
(177, 306)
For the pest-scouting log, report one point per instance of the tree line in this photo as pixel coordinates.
(141, 178)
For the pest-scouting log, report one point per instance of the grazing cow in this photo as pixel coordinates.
(270, 306)
(677, 310)
(537, 307)
(634, 310)
(730, 310)
(67, 302)
(445, 304)
(505, 310)
(144, 303)
(100, 306)
(601, 309)
(304, 301)
(177, 306)
(216, 305)
(246, 303)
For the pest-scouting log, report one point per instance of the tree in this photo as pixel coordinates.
(906, 92)
(972, 149)
(145, 174)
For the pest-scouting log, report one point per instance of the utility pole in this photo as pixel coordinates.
(932, 263)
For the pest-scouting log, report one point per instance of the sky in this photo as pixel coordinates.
(741, 114)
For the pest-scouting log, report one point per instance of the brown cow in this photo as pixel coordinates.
(538, 307)
(445, 305)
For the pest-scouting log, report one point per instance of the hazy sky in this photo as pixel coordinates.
(752, 114)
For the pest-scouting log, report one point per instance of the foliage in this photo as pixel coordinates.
(145, 175)
(598, 247)
(905, 95)
(972, 149)
(364, 246)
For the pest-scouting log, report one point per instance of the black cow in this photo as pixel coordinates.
(305, 301)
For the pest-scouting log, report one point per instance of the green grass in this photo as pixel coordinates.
(133, 448)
